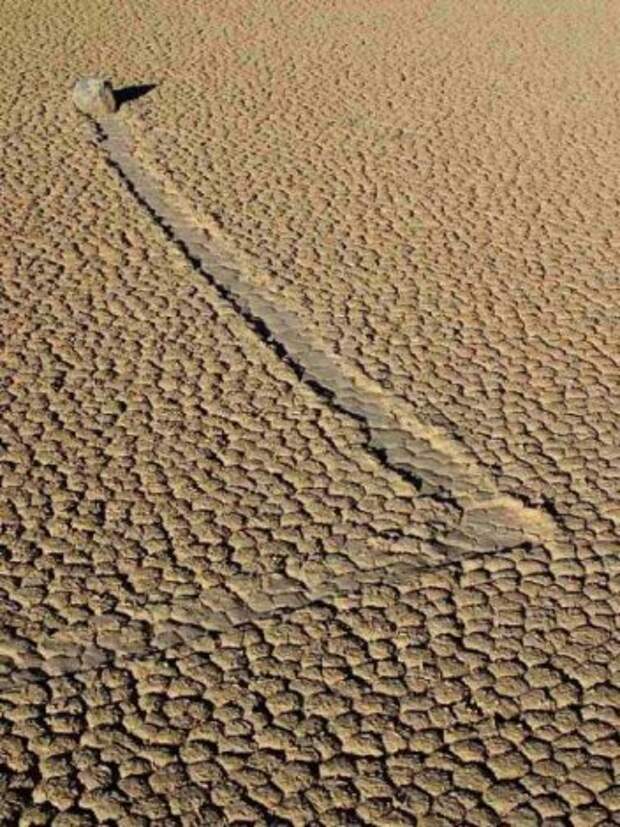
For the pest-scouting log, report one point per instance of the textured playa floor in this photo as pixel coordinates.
(309, 434)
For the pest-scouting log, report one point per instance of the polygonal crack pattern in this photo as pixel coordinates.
(227, 597)
(480, 695)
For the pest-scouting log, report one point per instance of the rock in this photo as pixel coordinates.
(94, 97)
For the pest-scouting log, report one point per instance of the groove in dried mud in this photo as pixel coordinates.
(424, 457)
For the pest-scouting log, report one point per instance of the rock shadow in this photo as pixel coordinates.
(132, 93)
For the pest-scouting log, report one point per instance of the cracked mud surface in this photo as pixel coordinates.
(308, 493)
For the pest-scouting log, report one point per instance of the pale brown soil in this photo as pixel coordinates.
(309, 445)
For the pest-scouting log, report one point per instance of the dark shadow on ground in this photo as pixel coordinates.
(132, 93)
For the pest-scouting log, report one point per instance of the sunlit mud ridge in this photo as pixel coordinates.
(490, 522)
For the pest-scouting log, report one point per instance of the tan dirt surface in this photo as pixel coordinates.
(309, 406)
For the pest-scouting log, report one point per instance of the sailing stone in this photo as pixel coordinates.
(94, 97)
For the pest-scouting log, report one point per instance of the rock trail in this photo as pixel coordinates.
(422, 455)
